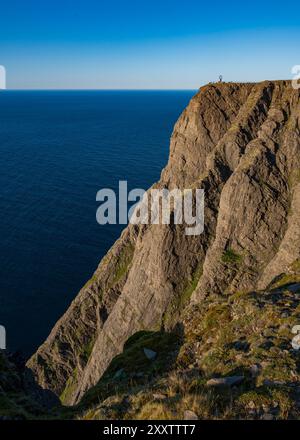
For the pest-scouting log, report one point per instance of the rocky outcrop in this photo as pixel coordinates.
(241, 144)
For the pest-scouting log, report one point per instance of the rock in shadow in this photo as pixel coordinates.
(45, 398)
(239, 345)
(134, 366)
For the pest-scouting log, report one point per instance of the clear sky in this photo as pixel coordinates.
(141, 44)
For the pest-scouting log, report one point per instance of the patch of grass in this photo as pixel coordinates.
(134, 365)
(90, 281)
(217, 316)
(231, 257)
(133, 358)
(285, 280)
(262, 397)
(123, 262)
(223, 337)
(180, 301)
(70, 387)
(191, 285)
(87, 350)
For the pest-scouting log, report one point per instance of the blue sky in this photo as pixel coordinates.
(146, 44)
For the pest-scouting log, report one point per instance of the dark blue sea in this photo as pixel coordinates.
(58, 148)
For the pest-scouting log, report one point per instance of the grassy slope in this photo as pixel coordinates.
(248, 333)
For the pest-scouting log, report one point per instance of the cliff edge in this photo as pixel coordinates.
(241, 144)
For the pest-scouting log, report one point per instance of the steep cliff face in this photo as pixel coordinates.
(241, 144)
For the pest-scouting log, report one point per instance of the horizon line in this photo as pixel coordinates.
(95, 90)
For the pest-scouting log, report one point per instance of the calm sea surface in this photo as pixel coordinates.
(58, 148)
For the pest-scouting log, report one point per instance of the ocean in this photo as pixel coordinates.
(58, 148)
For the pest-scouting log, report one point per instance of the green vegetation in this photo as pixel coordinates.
(132, 367)
(180, 301)
(191, 286)
(87, 350)
(70, 387)
(133, 358)
(247, 334)
(123, 262)
(231, 257)
(286, 279)
(90, 281)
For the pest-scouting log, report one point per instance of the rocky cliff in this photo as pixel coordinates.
(241, 144)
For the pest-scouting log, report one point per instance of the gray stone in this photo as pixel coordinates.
(150, 354)
(119, 373)
(267, 416)
(190, 415)
(255, 369)
(159, 396)
(225, 381)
